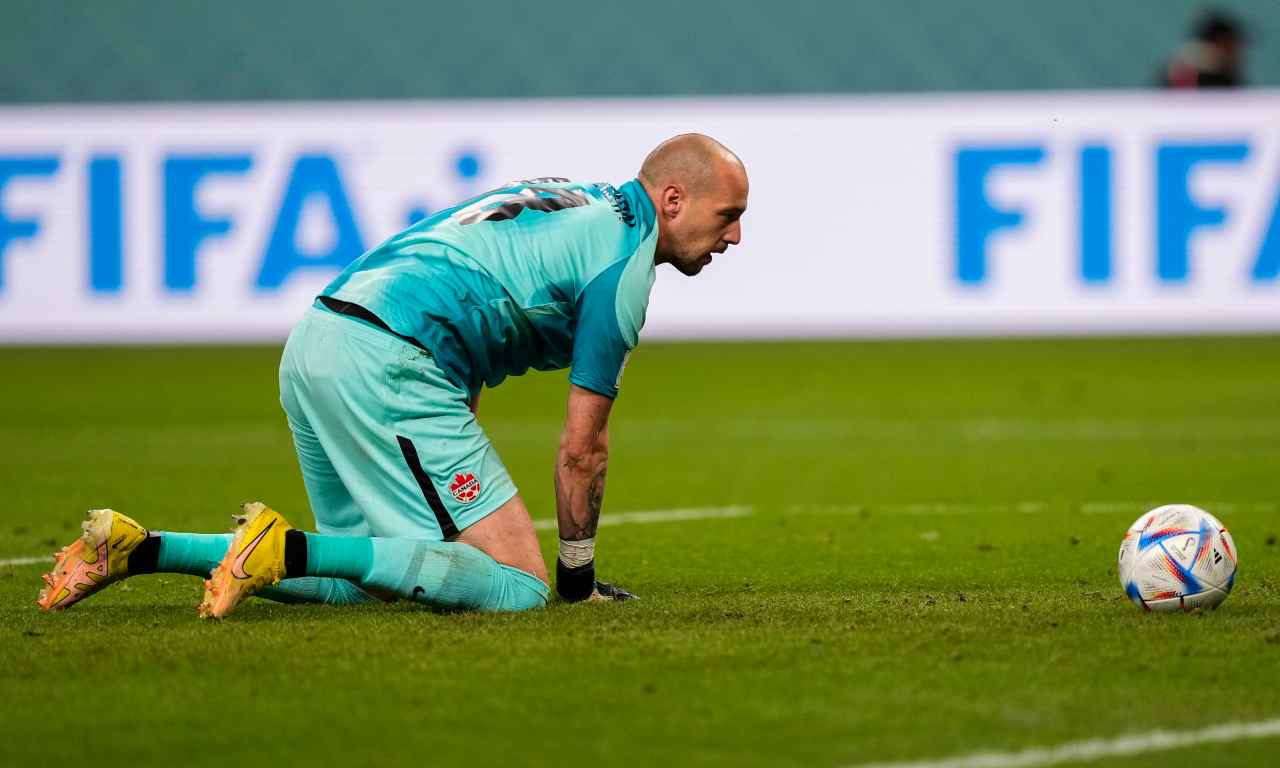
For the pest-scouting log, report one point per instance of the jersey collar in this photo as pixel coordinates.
(646, 216)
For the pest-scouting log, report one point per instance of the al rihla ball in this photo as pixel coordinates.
(1177, 557)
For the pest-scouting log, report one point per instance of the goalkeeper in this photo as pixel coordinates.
(381, 382)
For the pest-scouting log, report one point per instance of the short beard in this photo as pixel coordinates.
(689, 269)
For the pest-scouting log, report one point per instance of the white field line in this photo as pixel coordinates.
(1094, 749)
(1024, 507)
(855, 429)
(658, 516)
(621, 518)
(919, 508)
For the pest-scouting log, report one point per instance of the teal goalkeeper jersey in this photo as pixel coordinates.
(541, 274)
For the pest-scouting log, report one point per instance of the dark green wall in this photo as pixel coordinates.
(138, 50)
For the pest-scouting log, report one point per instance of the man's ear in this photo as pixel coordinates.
(672, 200)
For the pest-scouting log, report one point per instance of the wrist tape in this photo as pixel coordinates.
(576, 554)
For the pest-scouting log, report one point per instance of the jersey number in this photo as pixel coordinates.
(512, 204)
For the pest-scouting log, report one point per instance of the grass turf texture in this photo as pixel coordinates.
(929, 568)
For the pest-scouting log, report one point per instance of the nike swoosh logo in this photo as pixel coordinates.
(237, 568)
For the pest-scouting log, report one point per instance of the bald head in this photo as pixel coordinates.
(699, 192)
(691, 160)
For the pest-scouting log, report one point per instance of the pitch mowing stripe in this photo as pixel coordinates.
(1213, 507)
(1094, 749)
(622, 518)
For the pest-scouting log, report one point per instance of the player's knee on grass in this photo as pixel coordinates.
(520, 591)
(452, 575)
(444, 574)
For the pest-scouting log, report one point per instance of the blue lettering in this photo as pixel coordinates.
(312, 175)
(976, 218)
(18, 229)
(1177, 215)
(1267, 267)
(1095, 214)
(184, 227)
(106, 240)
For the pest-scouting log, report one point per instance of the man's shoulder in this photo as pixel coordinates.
(572, 231)
(599, 208)
(623, 209)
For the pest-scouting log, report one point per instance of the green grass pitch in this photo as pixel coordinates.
(927, 569)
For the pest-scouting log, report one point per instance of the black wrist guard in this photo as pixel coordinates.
(575, 584)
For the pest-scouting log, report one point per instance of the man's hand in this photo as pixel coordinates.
(605, 592)
(576, 585)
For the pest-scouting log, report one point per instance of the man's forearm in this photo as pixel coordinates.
(579, 497)
(580, 493)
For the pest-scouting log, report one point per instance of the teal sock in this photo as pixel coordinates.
(439, 573)
(314, 589)
(196, 554)
(346, 557)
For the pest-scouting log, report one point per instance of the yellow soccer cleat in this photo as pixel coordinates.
(99, 557)
(254, 560)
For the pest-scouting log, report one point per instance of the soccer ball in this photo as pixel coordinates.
(1177, 557)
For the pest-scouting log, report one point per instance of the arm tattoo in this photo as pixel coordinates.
(578, 508)
(595, 500)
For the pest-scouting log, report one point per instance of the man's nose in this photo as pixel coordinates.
(734, 235)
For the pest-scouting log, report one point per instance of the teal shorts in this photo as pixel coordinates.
(387, 442)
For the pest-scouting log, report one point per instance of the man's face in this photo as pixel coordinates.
(1227, 51)
(708, 222)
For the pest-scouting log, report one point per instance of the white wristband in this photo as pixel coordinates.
(575, 554)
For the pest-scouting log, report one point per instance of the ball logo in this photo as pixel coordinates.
(465, 487)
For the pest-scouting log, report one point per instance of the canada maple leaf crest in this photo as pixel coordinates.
(465, 487)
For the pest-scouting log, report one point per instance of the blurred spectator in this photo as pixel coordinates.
(1212, 58)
